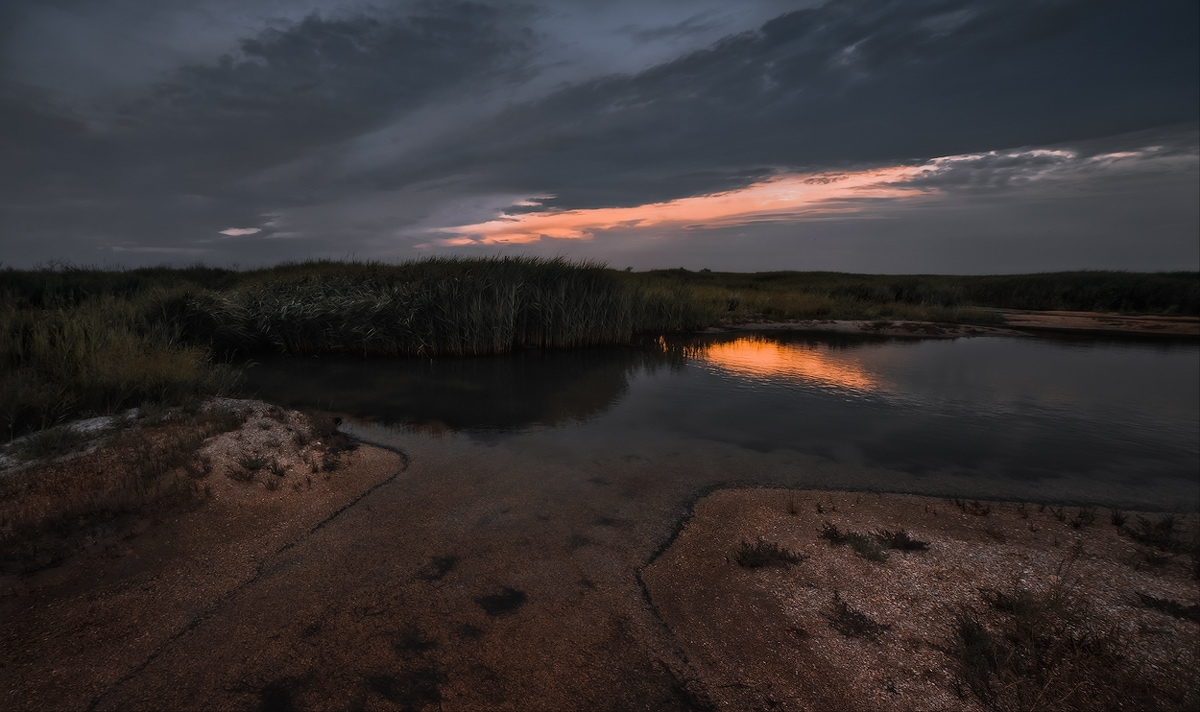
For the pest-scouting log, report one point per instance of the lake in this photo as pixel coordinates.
(1079, 421)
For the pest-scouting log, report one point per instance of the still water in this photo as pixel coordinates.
(1085, 422)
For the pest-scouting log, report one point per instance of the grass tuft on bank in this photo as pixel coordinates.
(51, 510)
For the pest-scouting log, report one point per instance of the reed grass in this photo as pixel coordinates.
(440, 307)
(76, 341)
(99, 356)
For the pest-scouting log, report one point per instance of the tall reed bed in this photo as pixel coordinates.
(434, 307)
(98, 356)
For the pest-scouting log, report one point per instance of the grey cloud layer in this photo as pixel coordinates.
(847, 83)
(318, 114)
(177, 153)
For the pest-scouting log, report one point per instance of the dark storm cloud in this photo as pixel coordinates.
(696, 24)
(845, 83)
(175, 154)
(321, 81)
(358, 128)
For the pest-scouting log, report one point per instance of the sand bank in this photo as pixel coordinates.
(470, 576)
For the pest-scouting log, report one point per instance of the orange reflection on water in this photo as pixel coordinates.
(755, 357)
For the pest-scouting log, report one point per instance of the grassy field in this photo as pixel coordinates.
(76, 341)
(944, 298)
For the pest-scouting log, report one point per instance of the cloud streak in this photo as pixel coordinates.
(784, 198)
(798, 198)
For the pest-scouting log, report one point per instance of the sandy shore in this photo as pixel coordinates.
(839, 631)
(465, 575)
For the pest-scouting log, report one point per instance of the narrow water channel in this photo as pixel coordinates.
(1111, 423)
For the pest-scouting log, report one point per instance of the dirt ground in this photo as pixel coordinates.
(777, 637)
(467, 576)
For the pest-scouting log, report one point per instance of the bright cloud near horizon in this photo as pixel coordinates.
(782, 199)
(850, 135)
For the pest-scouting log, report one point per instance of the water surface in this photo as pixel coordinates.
(1080, 421)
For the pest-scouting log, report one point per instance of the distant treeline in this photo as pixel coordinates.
(81, 340)
(800, 294)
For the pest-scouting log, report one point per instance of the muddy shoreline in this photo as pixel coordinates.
(440, 573)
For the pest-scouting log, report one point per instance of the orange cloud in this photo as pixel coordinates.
(782, 198)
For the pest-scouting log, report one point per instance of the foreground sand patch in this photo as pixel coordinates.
(76, 631)
(839, 631)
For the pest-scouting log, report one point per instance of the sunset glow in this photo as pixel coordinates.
(779, 199)
(758, 358)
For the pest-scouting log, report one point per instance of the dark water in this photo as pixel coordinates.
(1114, 423)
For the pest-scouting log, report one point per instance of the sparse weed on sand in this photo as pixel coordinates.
(51, 509)
(873, 546)
(50, 443)
(761, 554)
(1035, 649)
(853, 623)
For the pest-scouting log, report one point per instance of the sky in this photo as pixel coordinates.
(914, 136)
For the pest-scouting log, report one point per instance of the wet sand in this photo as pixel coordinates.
(475, 577)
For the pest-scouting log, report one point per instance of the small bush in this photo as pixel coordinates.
(1160, 534)
(1083, 518)
(901, 540)
(239, 474)
(1171, 608)
(760, 554)
(51, 443)
(976, 652)
(872, 547)
(1044, 650)
(853, 623)
(251, 462)
(973, 507)
(868, 547)
(831, 533)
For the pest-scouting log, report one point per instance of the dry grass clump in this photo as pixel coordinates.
(852, 622)
(1048, 650)
(51, 510)
(49, 443)
(761, 553)
(873, 546)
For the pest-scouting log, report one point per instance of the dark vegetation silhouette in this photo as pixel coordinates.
(81, 340)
